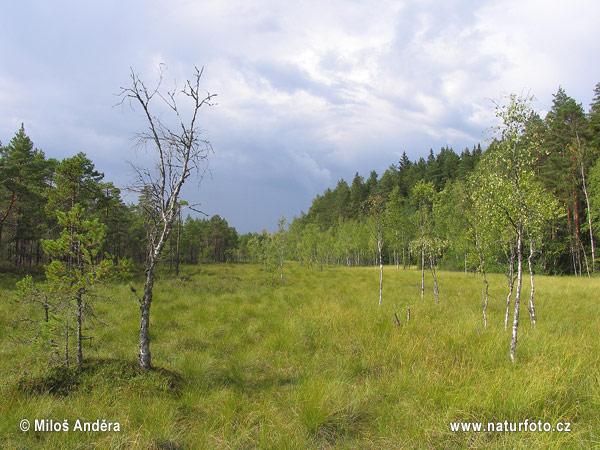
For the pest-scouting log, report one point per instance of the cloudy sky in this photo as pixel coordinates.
(308, 92)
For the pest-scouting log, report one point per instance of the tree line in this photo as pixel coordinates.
(34, 188)
(445, 195)
(337, 228)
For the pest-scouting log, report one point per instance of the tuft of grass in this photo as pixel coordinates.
(99, 374)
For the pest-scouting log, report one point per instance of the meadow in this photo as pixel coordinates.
(310, 362)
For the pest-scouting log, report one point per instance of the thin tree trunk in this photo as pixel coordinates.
(380, 247)
(485, 297)
(484, 301)
(435, 283)
(177, 258)
(145, 357)
(422, 271)
(571, 247)
(585, 258)
(403, 257)
(79, 331)
(589, 214)
(531, 308)
(67, 344)
(515, 329)
(573, 257)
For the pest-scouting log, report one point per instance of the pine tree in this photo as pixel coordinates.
(24, 179)
(562, 166)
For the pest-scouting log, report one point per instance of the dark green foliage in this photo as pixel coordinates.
(208, 240)
(566, 128)
(33, 189)
(594, 121)
(346, 203)
(565, 146)
(76, 181)
(25, 175)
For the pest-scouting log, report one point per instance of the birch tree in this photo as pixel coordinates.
(398, 226)
(179, 150)
(433, 247)
(280, 238)
(375, 208)
(510, 188)
(422, 198)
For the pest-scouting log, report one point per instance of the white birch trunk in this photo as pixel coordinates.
(422, 271)
(435, 283)
(589, 211)
(587, 267)
(513, 343)
(484, 301)
(380, 247)
(515, 328)
(531, 308)
(485, 296)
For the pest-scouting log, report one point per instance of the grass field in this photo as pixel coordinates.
(311, 362)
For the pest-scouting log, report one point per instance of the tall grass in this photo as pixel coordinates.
(312, 362)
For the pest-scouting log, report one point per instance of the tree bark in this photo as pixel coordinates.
(380, 248)
(519, 229)
(435, 283)
(484, 300)
(587, 266)
(145, 357)
(589, 214)
(422, 270)
(177, 257)
(515, 328)
(531, 308)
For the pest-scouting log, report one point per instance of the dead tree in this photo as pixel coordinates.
(180, 150)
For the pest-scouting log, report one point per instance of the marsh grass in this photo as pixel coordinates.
(244, 362)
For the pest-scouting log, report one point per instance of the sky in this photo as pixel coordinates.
(307, 92)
